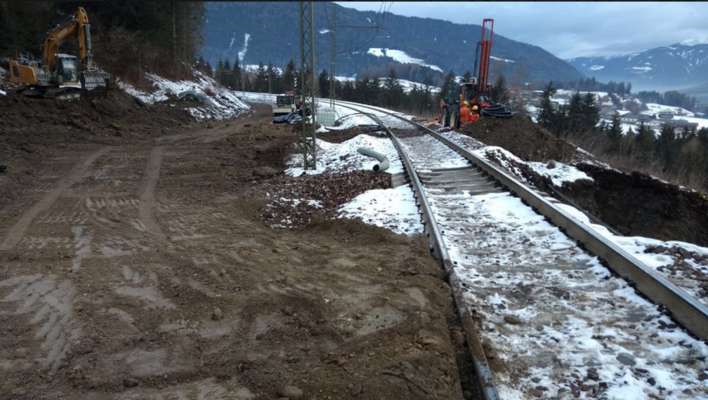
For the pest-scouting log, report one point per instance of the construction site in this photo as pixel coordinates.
(179, 234)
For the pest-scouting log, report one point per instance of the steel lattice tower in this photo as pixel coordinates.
(333, 55)
(308, 85)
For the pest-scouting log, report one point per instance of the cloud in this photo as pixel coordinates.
(573, 29)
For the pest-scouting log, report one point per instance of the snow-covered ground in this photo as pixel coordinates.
(559, 323)
(214, 100)
(393, 208)
(341, 157)
(388, 208)
(654, 108)
(662, 256)
(400, 56)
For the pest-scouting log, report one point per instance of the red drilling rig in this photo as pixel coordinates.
(466, 102)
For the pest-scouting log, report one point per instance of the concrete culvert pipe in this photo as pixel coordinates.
(383, 160)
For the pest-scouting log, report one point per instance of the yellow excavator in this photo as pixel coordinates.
(61, 73)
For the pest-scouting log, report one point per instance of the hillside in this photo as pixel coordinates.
(269, 32)
(671, 67)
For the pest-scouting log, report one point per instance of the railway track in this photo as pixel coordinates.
(543, 315)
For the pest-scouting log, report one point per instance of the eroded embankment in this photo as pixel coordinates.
(631, 203)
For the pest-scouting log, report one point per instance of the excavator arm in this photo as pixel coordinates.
(77, 26)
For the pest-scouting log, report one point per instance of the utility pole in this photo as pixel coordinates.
(308, 83)
(333, 56)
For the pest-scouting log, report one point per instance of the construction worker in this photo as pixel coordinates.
(474, 114)
(465, 113)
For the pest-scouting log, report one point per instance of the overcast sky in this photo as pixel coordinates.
(573, 29)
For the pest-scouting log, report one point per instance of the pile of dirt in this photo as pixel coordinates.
(522, 137)
(107, 117)
(295, 202)
(31, 129)
(339, 136)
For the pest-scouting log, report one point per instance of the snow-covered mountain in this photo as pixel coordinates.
(662, 68)
(369, 42)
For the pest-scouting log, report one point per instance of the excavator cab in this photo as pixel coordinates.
(67, 70)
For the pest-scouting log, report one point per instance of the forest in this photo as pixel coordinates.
(129, 37)
(677, 154)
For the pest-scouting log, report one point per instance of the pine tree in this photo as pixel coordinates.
(220, 72)
(261, 81)
(289, 76)
(590, 112)
(323, 81)
(547, 115)
(393, 89)
(614, 133)
(236, 75)
(575, 117)
(646, 142)
(666, 147)
(500, 93)
(226, 75)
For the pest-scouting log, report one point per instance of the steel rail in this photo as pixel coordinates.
(438, 250)
(683, 307)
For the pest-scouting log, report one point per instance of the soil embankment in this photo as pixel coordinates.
(631, 203)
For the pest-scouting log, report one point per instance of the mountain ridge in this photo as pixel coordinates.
(674, 67)
(273, 36)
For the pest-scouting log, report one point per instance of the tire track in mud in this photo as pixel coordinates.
(46, 303)
(15, 234)
(146, 211)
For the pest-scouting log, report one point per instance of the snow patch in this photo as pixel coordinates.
(400, 56)
(214, 100)
(597, 67)
(506, 60)
(343, 157)
(244, 49)
(394, 209)
(559, 174)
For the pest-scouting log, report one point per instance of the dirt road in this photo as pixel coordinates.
(143, 270)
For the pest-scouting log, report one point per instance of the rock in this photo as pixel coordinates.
(263, 172)
(592, 374)
(626, 359)
(217, 314)
(130, 382)
(291, 392)
(512, 319)
(551, 164)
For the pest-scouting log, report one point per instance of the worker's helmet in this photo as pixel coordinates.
(475, 108)
(467, 103)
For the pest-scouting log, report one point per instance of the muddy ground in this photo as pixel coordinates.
(139, 266)
(632, 203)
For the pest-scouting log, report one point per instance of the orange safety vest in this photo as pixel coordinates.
(465, 115)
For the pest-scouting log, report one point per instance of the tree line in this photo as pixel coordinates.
(379, 91)
(679, 154)
(592, 85)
